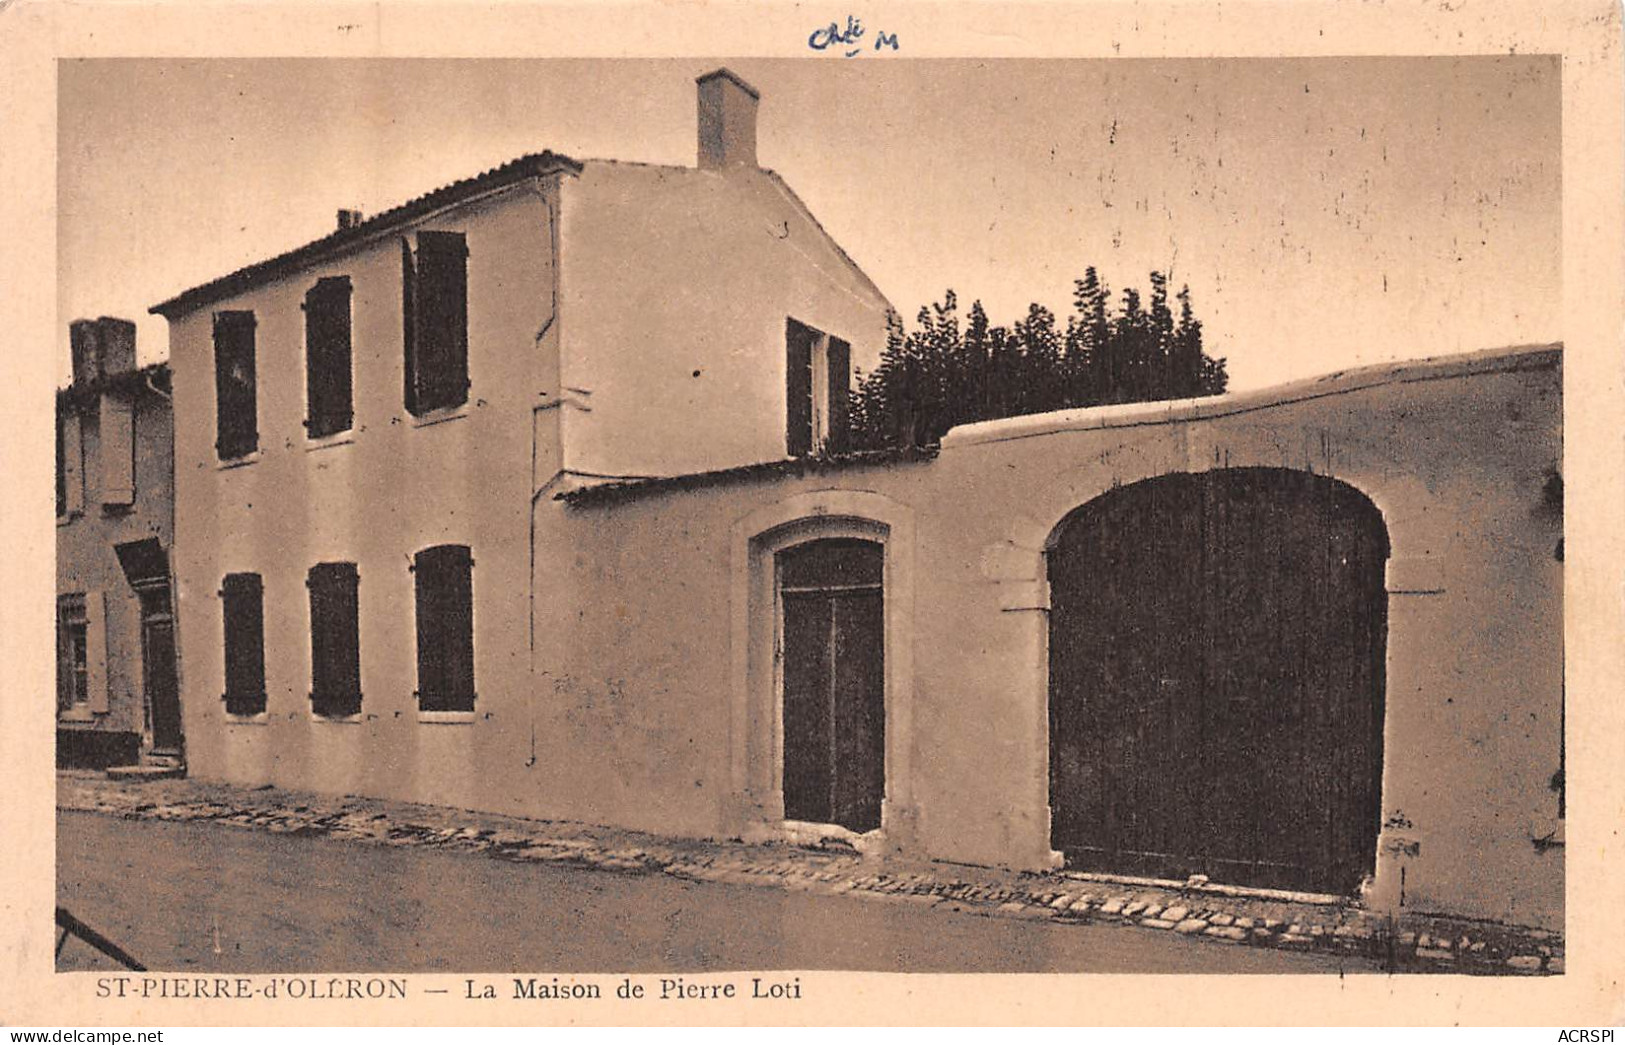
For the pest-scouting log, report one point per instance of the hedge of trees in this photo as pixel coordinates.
(946, 373)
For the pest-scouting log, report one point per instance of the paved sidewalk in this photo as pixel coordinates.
(1418, 944)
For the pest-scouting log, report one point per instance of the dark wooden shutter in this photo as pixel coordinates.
(445, 628)
(442, 316)
(409, 324)
(236, 420)
(327, 357)
(840, 386)
(798, 404)
(335, 646)
(242, 599)
(61, 470)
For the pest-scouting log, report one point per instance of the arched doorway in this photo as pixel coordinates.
(833, 681)
(1217, 661)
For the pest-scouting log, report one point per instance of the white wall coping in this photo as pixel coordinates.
(1170, 411)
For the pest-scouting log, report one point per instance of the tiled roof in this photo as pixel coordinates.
(533, 165)
(612, 492)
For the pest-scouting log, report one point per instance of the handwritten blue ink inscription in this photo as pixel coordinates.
(847, 38)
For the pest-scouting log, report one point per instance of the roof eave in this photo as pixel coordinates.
(333, 244)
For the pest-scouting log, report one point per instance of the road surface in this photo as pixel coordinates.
(208, 897)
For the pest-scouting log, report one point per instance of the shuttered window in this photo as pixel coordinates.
(328, 399)
(434, 303)
(798, 391)
(335, 642)
(72, 654)
(242, 600)
(839, 440)
(818, 377)
(73, 465)
(445, 628)
(61, 471)
(117, 450)
(235, 397)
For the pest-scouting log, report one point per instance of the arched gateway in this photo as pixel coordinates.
(1217, 648)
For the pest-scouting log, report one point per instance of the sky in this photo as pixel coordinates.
(1325, 212)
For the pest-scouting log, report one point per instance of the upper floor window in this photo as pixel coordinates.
(434, 305)
(445, 628)
(61, 469)
(242, 599)
(235, 399)
(328, 399)
(817, 385)
(335, 646)
(70, 464)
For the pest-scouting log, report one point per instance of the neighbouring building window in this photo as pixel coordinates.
(116, 454)
(817, 386)
(72, 654)
(61, 473)
(445, 628)
(335, 642)
(242, 599)
(434, 305)
(328, 399)
(235, 399)
(70, 465)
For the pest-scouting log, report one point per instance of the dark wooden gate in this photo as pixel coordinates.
(1217, 646)
(832, 651)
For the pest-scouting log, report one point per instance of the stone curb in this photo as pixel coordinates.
(1435, 944)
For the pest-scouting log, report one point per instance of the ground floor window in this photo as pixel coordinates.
(335, 645)
(445, 628)
(73, 647)
(242, 598)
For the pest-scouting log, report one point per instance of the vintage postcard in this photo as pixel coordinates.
(758, 514)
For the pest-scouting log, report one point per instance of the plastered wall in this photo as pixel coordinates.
(86, 561)
(641, 631)
(676, 286)
(374, 496)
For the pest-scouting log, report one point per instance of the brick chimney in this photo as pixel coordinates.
(349, 219)
(727, 121)
(84, 338)
(118, 345)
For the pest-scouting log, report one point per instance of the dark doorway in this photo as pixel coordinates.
(1217, 661)
(833, 660)
(158, 670)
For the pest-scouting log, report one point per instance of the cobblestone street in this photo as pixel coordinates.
(354, 884)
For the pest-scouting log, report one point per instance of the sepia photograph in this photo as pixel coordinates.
(596, 515)
(692, 531)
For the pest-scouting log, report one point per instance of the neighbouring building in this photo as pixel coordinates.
(117, 692)
(531, 496)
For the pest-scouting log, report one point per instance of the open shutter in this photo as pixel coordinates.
(242, 601)
(799, 341)
(445, 628)
(327, 357)
(409, 324)
(236, 405)
(442, 315)
(61, 478)
(96, 676)
(840, 385)
(335, 660)
(117, 449)
(73, 460)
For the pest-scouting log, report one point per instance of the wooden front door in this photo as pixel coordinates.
(1217, 648)
(158, 670)
(833, 667)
